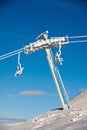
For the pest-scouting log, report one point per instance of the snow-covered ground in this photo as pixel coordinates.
(73, 119)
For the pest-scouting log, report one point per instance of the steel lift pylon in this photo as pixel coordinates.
(56, 75)
(42, 42)
(58, 80)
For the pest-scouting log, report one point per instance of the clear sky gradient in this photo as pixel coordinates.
(34, 92)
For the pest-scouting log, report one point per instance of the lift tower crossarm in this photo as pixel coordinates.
(54, 42)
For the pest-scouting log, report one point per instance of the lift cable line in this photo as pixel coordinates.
(11, 54)
(83, 36)
(78, 41)
(7, 55)
(42, 42)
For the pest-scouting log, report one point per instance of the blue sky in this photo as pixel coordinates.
(34, 92)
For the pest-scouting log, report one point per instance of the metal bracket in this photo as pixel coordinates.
(19, 67)
(58, 54)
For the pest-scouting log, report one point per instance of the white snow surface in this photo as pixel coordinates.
(73, 119)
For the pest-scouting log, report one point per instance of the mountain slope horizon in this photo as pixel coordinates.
(74, 118)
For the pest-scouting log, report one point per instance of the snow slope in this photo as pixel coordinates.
(57, 119)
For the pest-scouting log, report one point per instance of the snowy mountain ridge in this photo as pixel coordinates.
(73, 119)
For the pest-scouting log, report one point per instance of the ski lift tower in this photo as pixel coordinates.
(55, 72)
(44, 43)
